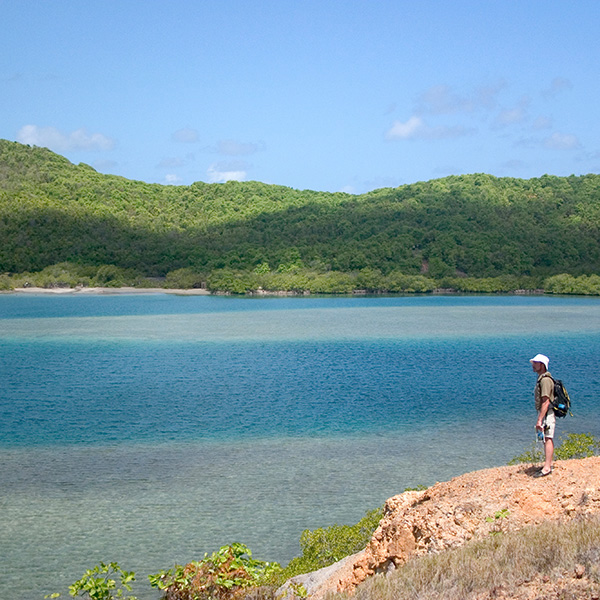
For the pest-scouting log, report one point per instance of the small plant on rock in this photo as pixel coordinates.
(498, 521)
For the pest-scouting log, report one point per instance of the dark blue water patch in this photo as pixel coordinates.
(18, 306)
(106, 393)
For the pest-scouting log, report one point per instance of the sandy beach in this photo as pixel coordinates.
(108, 291)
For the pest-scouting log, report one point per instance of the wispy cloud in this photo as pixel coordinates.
(442, 113)
(416, 128)
(542, 123)
(556, 141)
(443, 100)
(235, 148)
(486, 97)
(170, 162)
(562, 141)
(515, 164)
(104, 165)
(186, 135)
(52, 138)
(516, 114)
(557, 85)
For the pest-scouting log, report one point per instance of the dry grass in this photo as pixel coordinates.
(498, 566)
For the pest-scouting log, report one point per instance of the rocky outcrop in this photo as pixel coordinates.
(451, 513)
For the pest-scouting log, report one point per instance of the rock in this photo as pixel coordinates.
(315, 583)
(579, 571)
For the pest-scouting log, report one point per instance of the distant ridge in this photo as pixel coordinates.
(52, 211)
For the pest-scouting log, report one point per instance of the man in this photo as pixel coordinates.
(544, 395)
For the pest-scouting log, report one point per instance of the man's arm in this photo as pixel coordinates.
(543, 410)
(545, 391)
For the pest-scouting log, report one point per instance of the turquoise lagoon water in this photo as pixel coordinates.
(150, 429)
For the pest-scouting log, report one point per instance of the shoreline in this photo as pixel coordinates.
(114, 291)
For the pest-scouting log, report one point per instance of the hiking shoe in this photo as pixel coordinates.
(542, 473)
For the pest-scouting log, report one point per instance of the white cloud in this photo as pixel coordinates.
(405, 131)
(52, 138)
(187, 135)
(172, 179)
(222, 172)
(562, 141)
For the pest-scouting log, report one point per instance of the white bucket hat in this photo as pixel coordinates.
(540, 358)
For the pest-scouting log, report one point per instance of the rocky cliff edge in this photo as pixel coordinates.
(453, 512)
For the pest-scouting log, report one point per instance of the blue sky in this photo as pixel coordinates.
(325, 95)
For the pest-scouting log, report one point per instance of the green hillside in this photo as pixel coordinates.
(460, 227)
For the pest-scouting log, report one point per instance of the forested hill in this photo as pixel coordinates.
(473, 226)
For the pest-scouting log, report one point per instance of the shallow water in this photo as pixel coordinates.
(152, 429)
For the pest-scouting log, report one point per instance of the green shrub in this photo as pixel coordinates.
(62, 275)
(568, 284)
(573, 445)
(184, 279)
(370, 280)
(97, 583)
(55, 276)
(220, 576)
(5, 282)
(232, 282)
(577, 445)
(410, 284)
(332, 282)
(325, 546)
(286, 281)
(113, 276)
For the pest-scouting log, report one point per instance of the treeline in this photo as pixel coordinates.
(297, 281)
(470, 232)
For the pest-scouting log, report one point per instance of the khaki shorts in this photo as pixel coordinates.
(549, 424)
